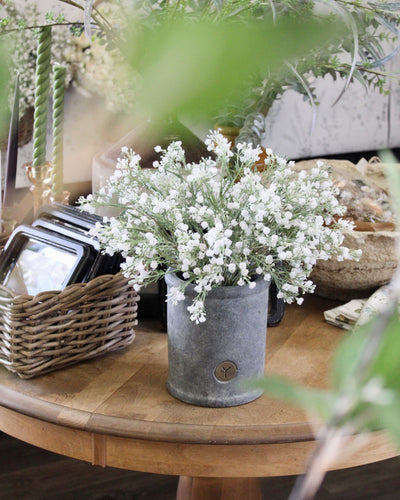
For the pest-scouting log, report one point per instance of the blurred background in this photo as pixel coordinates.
(358, 125)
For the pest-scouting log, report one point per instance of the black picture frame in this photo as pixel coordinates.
(69, 215)
(36, 260)
(103, 263)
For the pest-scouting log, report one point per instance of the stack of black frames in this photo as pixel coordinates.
(56, 250)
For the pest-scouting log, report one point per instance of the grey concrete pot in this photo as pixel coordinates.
(210, 363)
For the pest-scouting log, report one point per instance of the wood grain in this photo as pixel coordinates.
(125, 393)
(116, 411)
(226, 489)
(31, 473)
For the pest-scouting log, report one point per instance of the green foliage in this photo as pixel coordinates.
(366, 381)
(5, 83)
(51, 17)
(354, 53)
(315, 401)
(393, 175)
(386, 362)
(239, 88)
(365, 392)
(5, 21)
(389, 420)
(177, 75)
(347, 359)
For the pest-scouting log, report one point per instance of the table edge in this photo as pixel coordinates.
(152, 431)
(275, 459)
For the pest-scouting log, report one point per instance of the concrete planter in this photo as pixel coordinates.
(210, 363)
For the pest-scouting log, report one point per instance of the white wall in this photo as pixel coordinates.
(360, 121)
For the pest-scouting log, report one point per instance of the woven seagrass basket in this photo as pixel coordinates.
(58, 328)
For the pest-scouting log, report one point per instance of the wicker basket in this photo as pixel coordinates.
(54, 329)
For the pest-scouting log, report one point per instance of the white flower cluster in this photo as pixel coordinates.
(220, 222)
(100, 71)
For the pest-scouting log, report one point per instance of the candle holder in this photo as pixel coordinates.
(61, 198)
(7, 226)
(8, 222)
(40, 177)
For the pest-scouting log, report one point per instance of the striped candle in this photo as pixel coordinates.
(41, 96)
(58, 132)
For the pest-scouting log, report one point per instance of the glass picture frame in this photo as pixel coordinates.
(36, 260)
(69, 214)
(103, 263)
(68, 219)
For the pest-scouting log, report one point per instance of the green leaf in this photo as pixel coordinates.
(193, 67)
(4, 87)
(389, 420)
(390, 6)
(316, 401)
(387, 361)
(345, 14)
(371, 351)
(359, 77)
(347, 357)
(389, 25)
(387, 58)
(218, 4)
(309, 94)
(393, 176)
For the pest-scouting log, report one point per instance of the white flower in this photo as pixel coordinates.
(175, 295)
(232, 267)
(219, 222)
(247, 154)
(197, 313)
(218, 144)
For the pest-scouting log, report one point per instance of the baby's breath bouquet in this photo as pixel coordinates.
(220, 222)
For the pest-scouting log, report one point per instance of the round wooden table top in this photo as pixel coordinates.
(115, 410)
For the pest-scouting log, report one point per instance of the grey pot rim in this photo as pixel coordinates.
(220, 292)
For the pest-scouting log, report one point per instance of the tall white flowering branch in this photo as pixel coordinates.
(220, 222)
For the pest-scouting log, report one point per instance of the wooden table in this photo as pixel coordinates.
(116, 411)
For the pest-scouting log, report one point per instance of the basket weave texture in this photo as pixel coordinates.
(58, 328)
